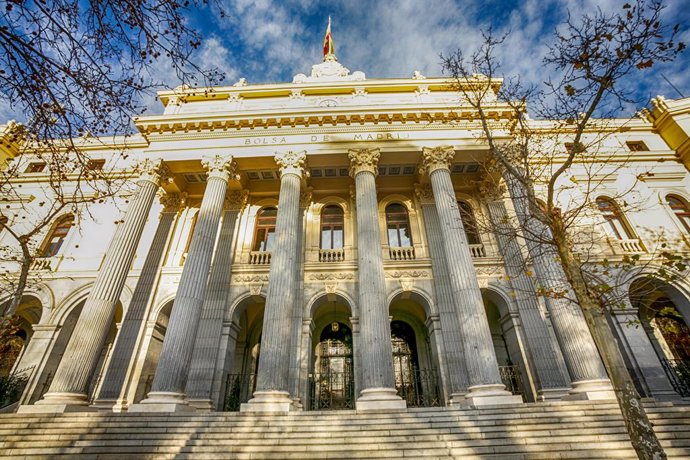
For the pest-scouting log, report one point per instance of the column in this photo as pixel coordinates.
(485, 386)
(71, 382)
(204, 359)
(450, 324)
(167, 392)
(272, 380)
(376, 352)
(589, 378)
(123, 355)
(545, 357)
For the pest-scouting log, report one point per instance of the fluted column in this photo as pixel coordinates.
(272, 380)
(448, 316)
(545, 356)
(70, 384)
(587, 372)
(485, 386)
(121, 361)
(167, 391)
(204, 359)
(376, 358)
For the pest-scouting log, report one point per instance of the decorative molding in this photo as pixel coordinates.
(434, 158)
(364, 160)
(424, 193)
(305, 197)
(172, 202)
(235, 200)
(153, 170)
(291, 162)
(406, 284)
(220, 166)
(244, 279)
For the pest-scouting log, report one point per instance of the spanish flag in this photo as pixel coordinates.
(328, 47)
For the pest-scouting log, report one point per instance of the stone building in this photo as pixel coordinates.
(323, 244)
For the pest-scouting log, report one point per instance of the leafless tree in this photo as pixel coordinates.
(592, 58)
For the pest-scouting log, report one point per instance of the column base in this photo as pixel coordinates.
(591, 390)
(269, 401)
(162, 401)
(552, 394)
(201, 405)
(457, 399)
(56, 403)
(105, 405)
(373, 399)
(490, 395)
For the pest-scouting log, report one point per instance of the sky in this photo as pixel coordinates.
(268, 41)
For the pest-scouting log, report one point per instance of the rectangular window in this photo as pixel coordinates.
(338, 238)
(326, 242)
(393, 240)
(637, 146)
(35, 167)
(405, 237)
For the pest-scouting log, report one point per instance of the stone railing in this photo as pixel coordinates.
(41, 264)
(402, 253)
(478, 251)
(627, 246)
(260, 257)
(331, 255)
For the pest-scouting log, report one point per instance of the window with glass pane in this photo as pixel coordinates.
(264, 235)
(398, 226)
(57, 237)
(469, 222)
(615, 226)
(332, 224)
(680, 209)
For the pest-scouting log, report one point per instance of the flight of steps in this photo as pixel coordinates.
(531, 431)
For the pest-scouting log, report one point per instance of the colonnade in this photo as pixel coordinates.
(196, 319)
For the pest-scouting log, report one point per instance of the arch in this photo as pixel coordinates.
(57, 235)
(332, 227)
(154, 345)
(681, 210)
(423, 298)
(322, 296)
(617, 225)
(43, 293)
(80, 294)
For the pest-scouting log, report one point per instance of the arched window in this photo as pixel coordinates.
(615, 224)
(332, 233)
(680, 209)
(57, 236)
(398, 226)
(264, 234)
(469, 222)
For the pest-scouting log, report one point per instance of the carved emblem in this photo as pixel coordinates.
(408, 274)
(406, 285)
(424, 193)
(220, 166)
(255, 289)
(437, 158)
(305, 197)
(364, 160)
(250, 279)
(331, 276)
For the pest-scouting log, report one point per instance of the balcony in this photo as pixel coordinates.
(478, 251)
(401, 253)
(41, 264)
(331, 255)
(260, 257)
(632, 246)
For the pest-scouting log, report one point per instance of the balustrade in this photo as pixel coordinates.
(42, 264)
(331, 255)
(478, 251)
(631, 246)
(401, 253)
(260, 257)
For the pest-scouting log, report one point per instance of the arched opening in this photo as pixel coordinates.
(153, 352)
(264, 231)
(331, 373)
(332, 227)
(680, 209)
(58, 350)
(414, 362)
(616, 225)
(664, 313)
(244, 352)
(398, 226)
(506, 343)
(470, 223)
(52, 244)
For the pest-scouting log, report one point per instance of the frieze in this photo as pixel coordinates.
(408, 274)
(250, 278)
(331, 276)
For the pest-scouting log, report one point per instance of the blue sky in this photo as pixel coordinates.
(270, 41)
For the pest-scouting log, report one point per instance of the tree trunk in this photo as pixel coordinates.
(16, 299)
(639, 428)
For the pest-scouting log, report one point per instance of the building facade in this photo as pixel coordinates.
(329, 243)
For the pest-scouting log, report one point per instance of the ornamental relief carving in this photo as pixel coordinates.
(364, 160)
(235, 200)
(437, 158)
(291, 162)
(331, 276)
(424, 193)
(250, 279)
(221, 166)
(408, 274)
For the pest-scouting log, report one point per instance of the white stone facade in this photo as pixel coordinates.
(211, 299)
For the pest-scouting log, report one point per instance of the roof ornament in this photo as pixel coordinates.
(330, 69)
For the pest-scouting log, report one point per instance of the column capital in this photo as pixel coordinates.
(220, 166)
(292, 162)
(424, 193)
(491, 191)
(172, 202)
(305, 197)
(364, 160)
(235, 200)
(153, 170)
(434, 158)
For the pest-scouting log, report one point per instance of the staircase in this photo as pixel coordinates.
(554, 430)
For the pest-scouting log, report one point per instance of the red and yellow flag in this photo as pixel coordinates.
(328, 47)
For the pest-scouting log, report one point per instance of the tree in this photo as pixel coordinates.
(78, 71)
(593, 56)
